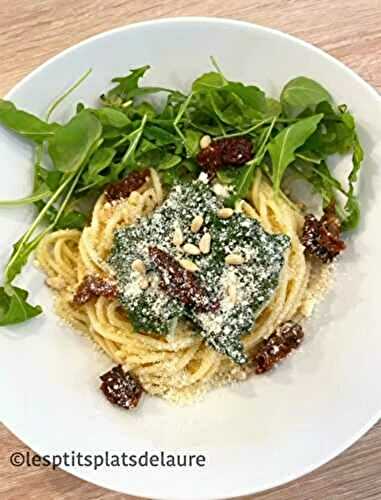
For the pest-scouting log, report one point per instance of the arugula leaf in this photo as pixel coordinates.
(184, 171)
(206, 122)
(352, 206)
(127, 83)
(250, 95)
(208, 81)
(141, 110)
(19, 257)
(134, 139)
(159, 159)
(302, 93)
(309, 156)
(40, 193)
(282, 148)
(168, 161)
(145, 146)
(53, 179)
(72, 143)
(72, 220)
(160, 136)
(29, 126)
(352, 210)
(243, 182)
(181, 111)
(335, 133)
(142, 91)
(14, 307)
(227, 175)
(25, 245)
(192, 142)
(357, 158)
(111, 117)
(229, 108)
(321, 179)
(101, 159)
(274, 107)
(99, 146)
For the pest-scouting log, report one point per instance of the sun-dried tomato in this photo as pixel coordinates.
(285, 338)
(181, 283)
(322, 237)
(233, 151)
(121, 388)
(236, 151)
(210, 159)
(93, 286)
(123, 188)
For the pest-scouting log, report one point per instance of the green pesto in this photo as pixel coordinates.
(152, 310)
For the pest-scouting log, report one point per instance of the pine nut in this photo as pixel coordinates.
(191, 249)
(138, 266)
(220, 190)
(232, 293)
(178, 237)
(234, 259)
(197, 222)
(224, 213)
(204, 244)
(205, 141)
(143, 283)
(188, 265)
(155, 281)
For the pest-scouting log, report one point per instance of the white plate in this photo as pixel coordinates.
(256, 435)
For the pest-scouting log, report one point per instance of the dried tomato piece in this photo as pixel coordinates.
(121, 388)
(181, 283)
(234, 151)
(210, 158)
(93, 286)
(322, 237)
(285, 338)
(123, 188)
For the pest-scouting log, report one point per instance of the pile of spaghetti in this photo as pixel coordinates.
(179, 366)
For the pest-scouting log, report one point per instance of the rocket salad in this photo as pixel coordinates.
(294, 135)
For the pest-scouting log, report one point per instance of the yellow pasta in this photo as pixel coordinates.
(181, 366)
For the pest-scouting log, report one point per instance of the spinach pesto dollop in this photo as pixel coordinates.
(164, 273)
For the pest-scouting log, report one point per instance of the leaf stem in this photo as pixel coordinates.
(71, 89)
(180, 114)
(218, 69)
(246, 131)
(30, 231)
(262, 148)
(135, 141)
(25, 201)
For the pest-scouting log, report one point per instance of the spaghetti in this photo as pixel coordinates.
(180, 366)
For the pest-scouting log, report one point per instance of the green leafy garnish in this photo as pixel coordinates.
(25, 124)
(282, 148)
(71, 144)
(293, 135)
(14, 307)
(302, 93)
